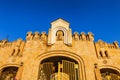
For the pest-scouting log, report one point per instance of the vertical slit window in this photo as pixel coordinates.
(101, 55)
(13, 52)
(106, 53)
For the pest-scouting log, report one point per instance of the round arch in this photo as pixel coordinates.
(8, 71)
(9, 65)
(64, 31)
(54, 53)
(110, 67)
(110, 72)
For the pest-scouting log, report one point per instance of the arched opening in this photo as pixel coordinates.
(8, 73)
(58, 68)
(109, 74)
(64, 32)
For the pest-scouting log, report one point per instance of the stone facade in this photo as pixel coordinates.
(59, 55)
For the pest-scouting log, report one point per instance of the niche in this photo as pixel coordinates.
(59, 35)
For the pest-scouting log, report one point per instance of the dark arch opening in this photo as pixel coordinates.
(109, 74)
(59, 65)
(59, 35)
(109, 70)
(60, 32)
(58, 59)
(8, 73)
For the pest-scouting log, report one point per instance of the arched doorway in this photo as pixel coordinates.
(67, 54)
(109, 74)
(58, 68)
(8, 73)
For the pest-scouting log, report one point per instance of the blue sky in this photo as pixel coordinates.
(101, 17)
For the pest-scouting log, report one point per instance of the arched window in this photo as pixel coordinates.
(109, 74)
(8, 73)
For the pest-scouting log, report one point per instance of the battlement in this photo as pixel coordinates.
(83, 36)
(102, 44)
(15, 47)
(59, 32)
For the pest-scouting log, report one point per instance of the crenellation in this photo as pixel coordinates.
(3, 43)
(9, 44)
(36, 36)
(102, 44)
(116, 44)
(83, 36)
(29, 36)
(43, 36)
(111, 46)
(90, 36)
(76, 36)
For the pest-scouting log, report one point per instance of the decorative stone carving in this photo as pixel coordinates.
(60, 25)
